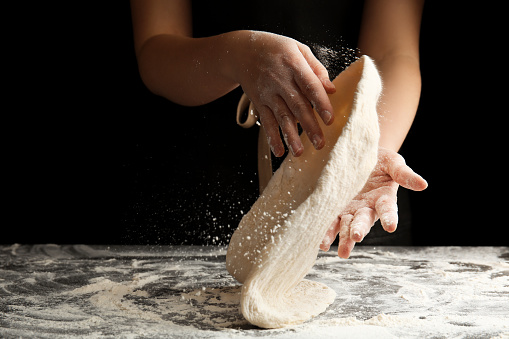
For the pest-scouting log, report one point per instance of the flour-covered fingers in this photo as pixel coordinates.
(387, 210)
(302, 109)
(361, 224)
(330, 235)
(317, 96)
(345, 247)
(312, 89)
(288, 125)
(271, 126)
(346, 244)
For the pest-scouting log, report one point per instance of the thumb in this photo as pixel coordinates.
(401, 173)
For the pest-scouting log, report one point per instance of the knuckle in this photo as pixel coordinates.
(386, 204)
(300, 107)
(364, 211)
(346, 218)
(312, 85)
(312, 90)
(385, 199)
(305, 48)
(282, 114)
(291, 60)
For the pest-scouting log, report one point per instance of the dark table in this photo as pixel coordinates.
(79, 291)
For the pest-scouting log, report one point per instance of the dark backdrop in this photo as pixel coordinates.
(90, 156)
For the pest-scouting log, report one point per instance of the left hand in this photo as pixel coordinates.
(284, 81)
(377, 200)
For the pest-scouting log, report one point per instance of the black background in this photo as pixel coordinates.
(90, 156)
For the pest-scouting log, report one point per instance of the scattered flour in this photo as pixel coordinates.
(382, 319)
(188, 293)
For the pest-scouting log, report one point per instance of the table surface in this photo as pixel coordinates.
(71, 291)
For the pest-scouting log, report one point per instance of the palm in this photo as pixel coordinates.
(377, 200)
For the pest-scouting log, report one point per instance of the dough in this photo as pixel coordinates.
(277, 241)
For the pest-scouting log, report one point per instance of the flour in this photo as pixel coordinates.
(383, 320)
(110, 295)
(334, 59)
(184, 291)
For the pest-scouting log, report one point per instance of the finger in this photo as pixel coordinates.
(271, 127)
(346, 244)
(403, 174)
(318, 68)
(314, 92)
(312, 88)
(387, 209)
(345, 247)
(288, 126)
(330, 235)
(361, 224)
(303, 111)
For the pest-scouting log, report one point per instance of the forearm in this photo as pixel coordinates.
(398, 105)
(390, 35)
(187, 71)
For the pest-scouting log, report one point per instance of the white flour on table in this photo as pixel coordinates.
(140, 293)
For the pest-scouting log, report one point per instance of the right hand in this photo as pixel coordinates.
(284, 81)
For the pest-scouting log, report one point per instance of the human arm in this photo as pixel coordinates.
(279, 75)
(390, 36)
(171, 62)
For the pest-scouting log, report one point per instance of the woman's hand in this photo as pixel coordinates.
(377, 200)
(285, 82)
(279, 75)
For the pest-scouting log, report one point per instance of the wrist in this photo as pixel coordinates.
(390, 143)
(233, 54)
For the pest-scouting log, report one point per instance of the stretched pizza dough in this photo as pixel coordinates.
(277, 241)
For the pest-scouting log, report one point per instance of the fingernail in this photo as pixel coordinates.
(326, 81)
(278, 151)
(357, 236)
(317, 142)
(327, 117)
(324, 247)
(326, 241)
(295, 147)
(387, 220)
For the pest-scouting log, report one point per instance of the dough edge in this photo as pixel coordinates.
(292, 304)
